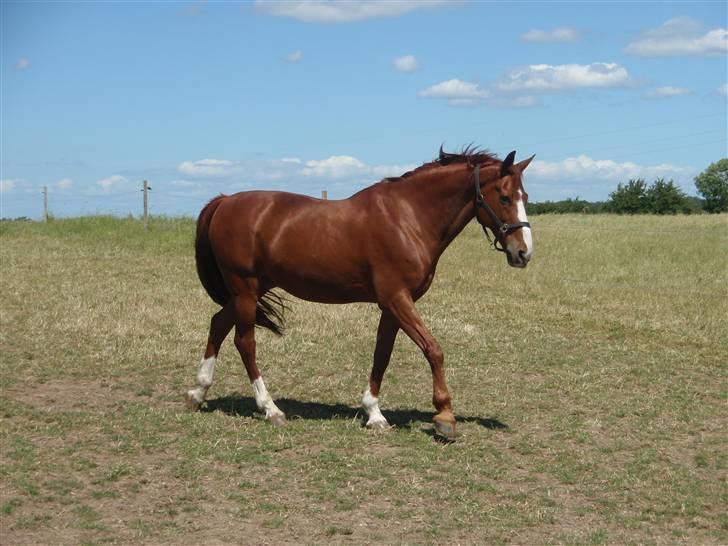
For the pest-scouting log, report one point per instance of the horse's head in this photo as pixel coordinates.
(501, 206)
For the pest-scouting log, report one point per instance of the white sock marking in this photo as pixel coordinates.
(204, 380)
(371, 405)
(263, 400)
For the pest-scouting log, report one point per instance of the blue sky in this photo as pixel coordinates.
(202, 98)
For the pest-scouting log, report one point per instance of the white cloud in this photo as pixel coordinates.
(406, 63)
(456, 92)
(522, 87)
(561, 34)
(64, 184)
(594, 179)
(208, 168)
(295, 56)
(383, 171)
(517, 101)
(7, 185)
(723, 90)
(107, 184)
(183, 184)
(346, 166)
(334, 11)
(336, 166)
(274, 172)
(667, 92)
(22, 64)
(251, 170)
(680, 36)
(538, 78)
(584, 168)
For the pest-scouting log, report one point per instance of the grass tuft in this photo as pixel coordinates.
(589, 391)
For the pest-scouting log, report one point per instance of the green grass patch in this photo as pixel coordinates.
(589, 390)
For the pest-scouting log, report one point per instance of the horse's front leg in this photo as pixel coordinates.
(386, 334)
(403, 308)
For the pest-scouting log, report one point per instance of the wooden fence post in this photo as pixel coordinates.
(45, 203)
(146, 207)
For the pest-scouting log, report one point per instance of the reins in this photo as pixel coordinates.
(502, 229)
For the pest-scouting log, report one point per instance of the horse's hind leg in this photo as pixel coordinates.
(220, 325)
(386, 334)
(245, 310)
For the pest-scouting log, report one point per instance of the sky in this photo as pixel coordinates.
(202, 98)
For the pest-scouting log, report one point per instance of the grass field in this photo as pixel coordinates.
(590, 391)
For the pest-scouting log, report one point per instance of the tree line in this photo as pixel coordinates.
(660, 197)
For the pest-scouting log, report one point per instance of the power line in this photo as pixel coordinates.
(639, 152)
(622, 129)
(673, 137)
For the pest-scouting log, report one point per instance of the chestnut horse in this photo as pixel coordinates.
(380, 245)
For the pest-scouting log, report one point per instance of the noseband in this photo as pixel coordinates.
(502, 229)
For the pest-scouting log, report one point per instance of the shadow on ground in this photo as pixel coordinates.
(299, 409)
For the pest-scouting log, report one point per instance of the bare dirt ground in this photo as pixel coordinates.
(589, 391)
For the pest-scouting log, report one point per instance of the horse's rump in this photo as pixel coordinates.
(270, 306)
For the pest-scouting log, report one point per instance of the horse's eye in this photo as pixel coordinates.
(505, 200)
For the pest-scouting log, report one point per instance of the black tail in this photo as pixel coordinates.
(207, 269)
(269, 312)
(270, 307)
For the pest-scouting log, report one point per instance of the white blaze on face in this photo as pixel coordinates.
(525, 231)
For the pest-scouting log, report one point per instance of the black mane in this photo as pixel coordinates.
(470, 154)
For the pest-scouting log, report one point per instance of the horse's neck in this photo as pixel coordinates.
(444, 203)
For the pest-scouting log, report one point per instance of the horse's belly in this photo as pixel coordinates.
(322, 293)
(322, 289)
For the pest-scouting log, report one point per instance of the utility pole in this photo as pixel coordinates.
(146, 207)
(45, 203)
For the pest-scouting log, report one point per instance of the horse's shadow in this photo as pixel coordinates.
(299, 409)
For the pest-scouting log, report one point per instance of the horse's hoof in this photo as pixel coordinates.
(191, 402)
(445, 430)
(277, 420)
(379, 426)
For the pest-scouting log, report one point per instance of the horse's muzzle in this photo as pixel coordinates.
(519, 259)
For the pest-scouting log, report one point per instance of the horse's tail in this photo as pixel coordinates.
(269, 308)
(207, 269)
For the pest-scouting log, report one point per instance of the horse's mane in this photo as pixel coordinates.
(470, 154)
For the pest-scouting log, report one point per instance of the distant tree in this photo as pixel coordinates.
(696, 205)
(664, 197)
(630, 198)
(712, 184)
(567, 206)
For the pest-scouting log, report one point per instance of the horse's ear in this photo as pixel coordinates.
(520, 167)
(507, 164)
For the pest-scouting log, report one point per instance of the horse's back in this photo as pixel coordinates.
(312, 248)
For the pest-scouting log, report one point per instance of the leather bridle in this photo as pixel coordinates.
(501, 229)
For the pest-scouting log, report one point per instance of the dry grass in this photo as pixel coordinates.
(590, 392)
